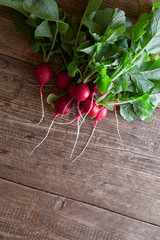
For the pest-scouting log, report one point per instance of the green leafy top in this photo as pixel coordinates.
(105, 48)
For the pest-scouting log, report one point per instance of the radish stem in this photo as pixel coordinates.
(53, 44)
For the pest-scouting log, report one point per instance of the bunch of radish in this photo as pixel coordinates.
(81, 93)
(105, 60)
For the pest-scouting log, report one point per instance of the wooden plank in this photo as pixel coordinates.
(134, 192)
(30, 214)
(13, 43)
(123, 180)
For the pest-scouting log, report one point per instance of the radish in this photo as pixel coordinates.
(91, 96)
(86, 107)
(43, 74)
(60, 108)
(100, 115)
(63, 80)
(82, 92)
(79, 91)
(71, 89)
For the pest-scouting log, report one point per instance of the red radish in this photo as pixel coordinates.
(61, 105)
(43, 74)
(96, 90)
(91, 96)
(82, 92)
(71, 92)
(63, 80)
(86, 107)
(60, 108)
(71, 89)
(100, 115)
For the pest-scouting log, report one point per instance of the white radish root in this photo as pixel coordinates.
(78, 131)
(86, 143)
(45, 136)
(41, 94)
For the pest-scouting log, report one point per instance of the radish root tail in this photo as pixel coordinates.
(45, 136)
(67, 123)
(78, 130)
(41, 94)
(86, 143)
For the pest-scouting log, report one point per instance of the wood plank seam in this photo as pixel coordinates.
(80, 201)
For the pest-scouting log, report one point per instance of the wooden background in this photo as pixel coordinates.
(109, 193)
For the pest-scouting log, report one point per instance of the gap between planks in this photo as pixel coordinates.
(74, 199)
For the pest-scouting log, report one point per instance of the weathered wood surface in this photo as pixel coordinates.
(125, 181)
(30, 214)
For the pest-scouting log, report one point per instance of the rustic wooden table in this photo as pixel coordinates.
(108, 194)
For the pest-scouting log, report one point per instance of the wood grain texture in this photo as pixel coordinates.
(125, 180)
(31, 214)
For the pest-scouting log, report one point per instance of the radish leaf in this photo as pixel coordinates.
(43, 30)
(143, 85)
(151, 38)
(17, 5)
(45, 9)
